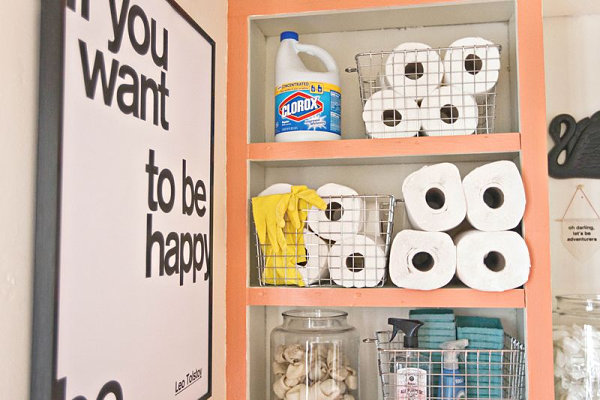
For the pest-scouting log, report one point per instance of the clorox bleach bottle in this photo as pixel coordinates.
(308, 104)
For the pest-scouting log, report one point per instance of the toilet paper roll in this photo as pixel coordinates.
(422, 260)
(449, 111)
(314, 269)
(387, 114)
(414, 70)
(372, 220)
(473, 64)
(495, 196)
(343, 216)
(492, 261)
(277, 188)
(357, 261)
(434, 198)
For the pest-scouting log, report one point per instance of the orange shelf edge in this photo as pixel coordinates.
(383, 297)
(365, 148)
(270, 7)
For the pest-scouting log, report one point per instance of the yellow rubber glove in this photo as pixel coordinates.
(302, 199)
(268, 213)
(282, 239)
(270, 222)
(280, 268)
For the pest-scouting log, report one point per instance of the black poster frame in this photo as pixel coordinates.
(45, 384)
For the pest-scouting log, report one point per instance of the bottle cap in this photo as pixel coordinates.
(451, 357)
(288, 35)
(410, 327)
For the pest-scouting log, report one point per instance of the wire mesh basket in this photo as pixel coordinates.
(487, 374)
(428, 92)
(346, 245)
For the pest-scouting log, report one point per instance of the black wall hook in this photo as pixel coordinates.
(581, 144)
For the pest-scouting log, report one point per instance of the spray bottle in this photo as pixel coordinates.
(411, 366)
(453, 382)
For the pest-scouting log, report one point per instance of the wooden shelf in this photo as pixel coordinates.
(383, 297)
(380, 148)
(346, 28)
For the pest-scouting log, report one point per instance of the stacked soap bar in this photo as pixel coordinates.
(484, 367)
(438, 326)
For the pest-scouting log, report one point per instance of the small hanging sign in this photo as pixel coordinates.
(580, 231)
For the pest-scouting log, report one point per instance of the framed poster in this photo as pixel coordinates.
(123, 270)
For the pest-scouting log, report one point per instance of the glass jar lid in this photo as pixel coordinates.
(315, 313)
(315, 319)
(588, 304)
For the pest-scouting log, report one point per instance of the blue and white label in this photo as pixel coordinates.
(308, 106)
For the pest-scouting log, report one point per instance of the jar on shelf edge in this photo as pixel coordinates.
(314, 355)
(576, 337)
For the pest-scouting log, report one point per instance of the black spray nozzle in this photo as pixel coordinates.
(410, 327)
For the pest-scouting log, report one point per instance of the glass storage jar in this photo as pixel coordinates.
(314, 356)
(576, 338)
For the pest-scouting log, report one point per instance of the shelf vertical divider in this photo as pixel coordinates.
(237, 187)
(534, 166)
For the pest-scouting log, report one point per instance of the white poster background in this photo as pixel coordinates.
(114, 323)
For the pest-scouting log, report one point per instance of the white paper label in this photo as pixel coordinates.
(411, 384)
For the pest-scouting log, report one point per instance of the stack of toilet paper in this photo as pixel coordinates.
(355, 258)
(492, 257)
(484, 368)
(424, 258)
(343, 242)
(432, 95)
(489, 257)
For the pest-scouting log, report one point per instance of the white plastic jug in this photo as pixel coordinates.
(308, 104)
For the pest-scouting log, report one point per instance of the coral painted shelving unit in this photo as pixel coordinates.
(383, 297)
(253, 160)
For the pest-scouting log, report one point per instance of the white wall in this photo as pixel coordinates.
(572, 59)
(19, 30)
(211, 15)
(560, 8)
(572, 55)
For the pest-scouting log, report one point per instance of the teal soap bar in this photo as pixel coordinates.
(439, 325)
(478, 322)
(479, 345)
(428, 330)
(484, 332)
(432, 314)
